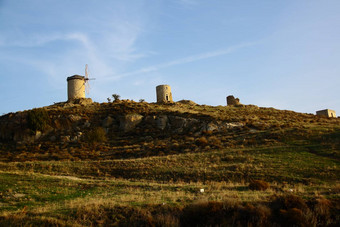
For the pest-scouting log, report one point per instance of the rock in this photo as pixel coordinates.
(150, 120)
(87, 124)
(107, 122)
(161, 122)
(81, 101)
(220, 126)
(129, 121)
(234, 124)
(65, 139)
(37, 135)
(231, 101)
(187, 102)
(177, 122)
(211, 127)
(74, 139)
(74, 118)
(86, 101)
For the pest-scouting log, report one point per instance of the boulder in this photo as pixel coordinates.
(177, 122)
(161, 122)
(129, 122)
(107, 122)
(74, 118)
(234, 125)
(210, 127)
(38, 134)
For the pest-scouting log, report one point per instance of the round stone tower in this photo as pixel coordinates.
(75, 87)
(164, 94)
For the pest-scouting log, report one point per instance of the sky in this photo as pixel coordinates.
(281, 54)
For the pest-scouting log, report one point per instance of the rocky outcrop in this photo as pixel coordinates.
(67, 128)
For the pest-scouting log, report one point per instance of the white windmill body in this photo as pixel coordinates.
(77, 86)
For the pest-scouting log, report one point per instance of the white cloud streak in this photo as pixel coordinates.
(185, 60)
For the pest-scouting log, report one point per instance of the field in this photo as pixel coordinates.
(281, 168)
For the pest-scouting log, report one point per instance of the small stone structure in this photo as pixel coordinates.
(326, 112)
(231, 101)
(75, 87)
(164, 94)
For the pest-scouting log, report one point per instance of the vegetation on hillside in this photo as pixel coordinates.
(232, 166)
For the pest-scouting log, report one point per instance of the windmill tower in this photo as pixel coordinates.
(77, 85)
(164, 94)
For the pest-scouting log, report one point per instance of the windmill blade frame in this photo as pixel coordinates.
(87, 84)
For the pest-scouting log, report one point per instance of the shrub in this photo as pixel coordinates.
(96, 135)
(38, 119)
(202, 141)
(204, 214)
(258, 185)
(322, 208)
(250, 215)
(294, 217)
(293, 201)
(116, 97)
(214, 141)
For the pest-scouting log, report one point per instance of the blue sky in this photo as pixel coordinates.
(282, 54)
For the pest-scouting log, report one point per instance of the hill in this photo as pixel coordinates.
(148, 163)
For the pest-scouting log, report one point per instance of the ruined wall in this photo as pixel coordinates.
(164, 94)
(326, 112)
(231, 101)
(75, 87)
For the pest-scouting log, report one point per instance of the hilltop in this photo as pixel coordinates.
(130, 129)
(169, 152)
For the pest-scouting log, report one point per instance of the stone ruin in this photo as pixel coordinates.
(232, 101)
(326, 112)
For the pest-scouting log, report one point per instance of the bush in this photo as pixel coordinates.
(202, 141)
(258, 185)
(116, 97)
(204, 214)
(96, 135)
(38, 119)
(294, 217)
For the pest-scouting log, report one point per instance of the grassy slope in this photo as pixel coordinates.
(298, 154)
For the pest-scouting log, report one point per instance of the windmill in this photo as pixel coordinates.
(87, 84)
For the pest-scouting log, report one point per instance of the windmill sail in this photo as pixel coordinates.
(87, 84)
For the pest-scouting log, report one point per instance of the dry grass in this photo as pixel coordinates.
(92, 201)
(154, 177)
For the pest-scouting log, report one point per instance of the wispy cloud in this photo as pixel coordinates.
(185, 60)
